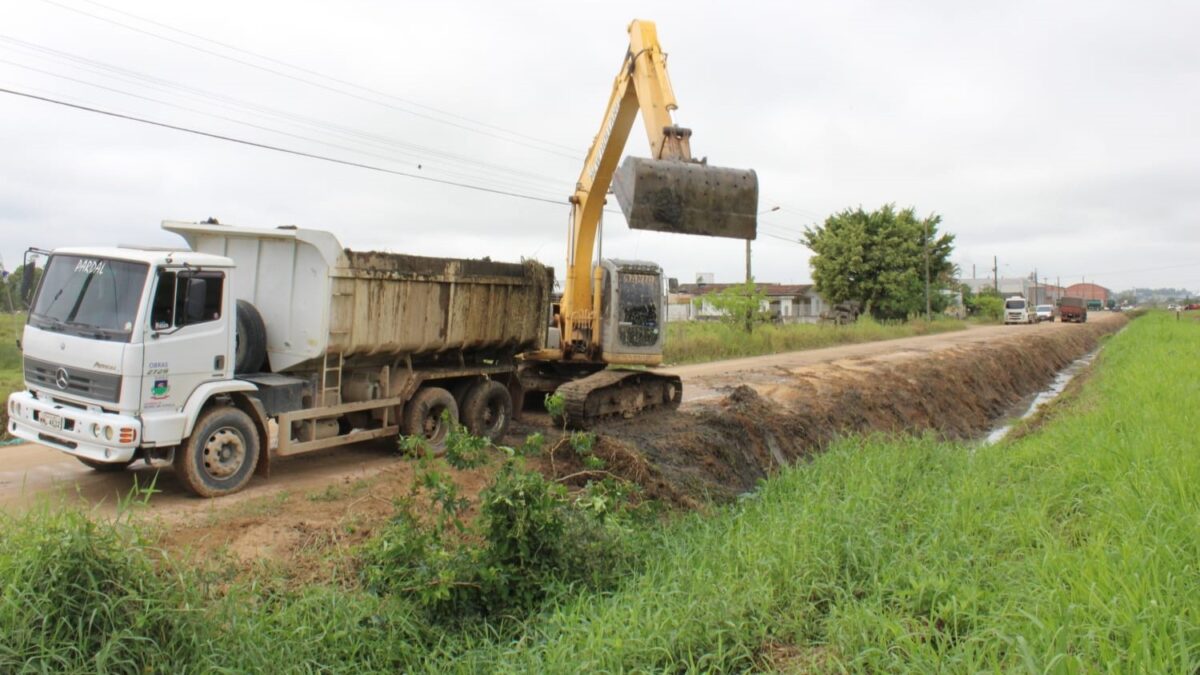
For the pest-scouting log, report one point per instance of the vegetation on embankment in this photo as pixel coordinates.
(11, 377)
(698, 341)
(1071, 549)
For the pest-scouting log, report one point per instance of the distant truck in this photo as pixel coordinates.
(200, 355)
(1072, 310)
(1094, 305)
(1016, 310)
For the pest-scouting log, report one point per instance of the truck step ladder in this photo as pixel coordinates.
(331, 379)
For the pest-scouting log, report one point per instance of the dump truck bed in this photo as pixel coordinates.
(318, 298)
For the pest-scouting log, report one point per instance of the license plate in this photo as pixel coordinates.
(51, 420)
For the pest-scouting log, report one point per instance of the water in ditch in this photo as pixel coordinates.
(1028, 407)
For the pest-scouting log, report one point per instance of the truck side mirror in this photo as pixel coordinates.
(194, 303)
(28, 271)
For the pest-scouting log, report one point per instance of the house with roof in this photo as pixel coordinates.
(785, 303)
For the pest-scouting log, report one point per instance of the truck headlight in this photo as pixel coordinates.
(95, 430)
(108, 433)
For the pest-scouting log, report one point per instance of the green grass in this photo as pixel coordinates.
(1073, 549)
(11, 377)
(698, 341)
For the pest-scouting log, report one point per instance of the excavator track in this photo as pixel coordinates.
(617, 394)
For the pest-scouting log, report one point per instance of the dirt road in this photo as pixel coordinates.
(29, 472)
(705, 380)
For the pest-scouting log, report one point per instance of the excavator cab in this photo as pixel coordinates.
(632, 312)
(687, 197)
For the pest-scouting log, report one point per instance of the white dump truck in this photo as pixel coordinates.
(1016, 310)
(198, 356)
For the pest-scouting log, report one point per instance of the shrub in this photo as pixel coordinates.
(533, 540)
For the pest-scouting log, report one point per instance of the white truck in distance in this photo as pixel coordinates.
(1016, 310)
(195, 356)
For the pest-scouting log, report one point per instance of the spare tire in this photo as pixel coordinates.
(251, 340)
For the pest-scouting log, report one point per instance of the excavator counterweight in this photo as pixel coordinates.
(687, 197)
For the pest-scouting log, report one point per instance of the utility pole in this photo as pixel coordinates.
(748, 276)
(996, 273)
(1035, 287)
(928, 317)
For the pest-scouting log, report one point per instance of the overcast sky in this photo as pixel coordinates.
(1061, 136)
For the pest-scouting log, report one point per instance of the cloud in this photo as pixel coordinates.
(1058, 136)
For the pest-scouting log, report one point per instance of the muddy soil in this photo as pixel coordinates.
(719, 447)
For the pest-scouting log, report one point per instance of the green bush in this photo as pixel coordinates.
(78, 595)
(533, 541)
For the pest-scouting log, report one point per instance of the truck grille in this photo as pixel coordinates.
(79, 382)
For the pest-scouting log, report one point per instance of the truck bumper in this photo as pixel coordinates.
(98, 436)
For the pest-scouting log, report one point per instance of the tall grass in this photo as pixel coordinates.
(697, 341)
(11, 376)
(77, 595)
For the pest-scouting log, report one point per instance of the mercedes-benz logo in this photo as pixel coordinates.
(61, 378)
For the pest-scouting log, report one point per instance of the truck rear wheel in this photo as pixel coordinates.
(250, 337)
(220, 455)
(487, 410)
(423, 416)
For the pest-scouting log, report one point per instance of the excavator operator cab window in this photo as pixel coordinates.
(638, 302)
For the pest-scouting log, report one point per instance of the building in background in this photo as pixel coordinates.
(1089, 291)
(1027, 287)
(1007, 286)
(786, 303)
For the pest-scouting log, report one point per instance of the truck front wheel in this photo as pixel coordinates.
(220, 455)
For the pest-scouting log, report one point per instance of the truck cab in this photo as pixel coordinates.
(117, 343)
(1016, 310)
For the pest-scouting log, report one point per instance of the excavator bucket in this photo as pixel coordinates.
(687, 197)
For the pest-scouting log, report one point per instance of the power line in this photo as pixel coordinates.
(781, 228)
(307, 81)
(264, 146)
(240, 122)
(227, 102)
(775, 236)
(326, 77)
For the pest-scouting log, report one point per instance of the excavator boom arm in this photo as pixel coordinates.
(670, 192)
(641, 85)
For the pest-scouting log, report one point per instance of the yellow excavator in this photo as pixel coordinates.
(613, 312)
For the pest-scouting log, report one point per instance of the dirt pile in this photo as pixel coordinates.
(721, 448)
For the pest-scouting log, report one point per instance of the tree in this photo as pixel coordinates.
(10, 290)
(987, 304)
(878, 259)
(739, 304)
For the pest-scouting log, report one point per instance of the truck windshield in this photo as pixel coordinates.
(1015, 304)
(92, 297)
